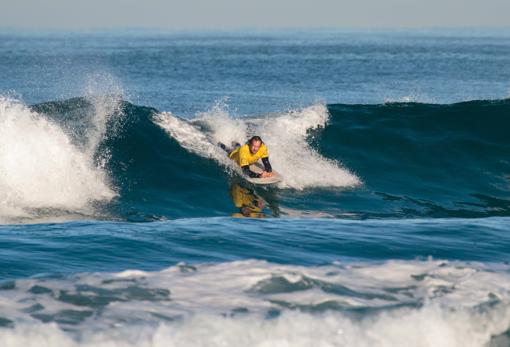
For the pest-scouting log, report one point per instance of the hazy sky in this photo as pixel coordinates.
(77, 14)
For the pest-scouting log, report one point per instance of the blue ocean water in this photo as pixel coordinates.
(122, 222)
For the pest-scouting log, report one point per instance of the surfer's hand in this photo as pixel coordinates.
(266, 174)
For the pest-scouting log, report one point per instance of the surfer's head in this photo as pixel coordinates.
(255, 142)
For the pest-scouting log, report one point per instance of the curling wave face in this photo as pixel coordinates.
(398, 160)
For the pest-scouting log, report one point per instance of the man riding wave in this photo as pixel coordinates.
(250, 153)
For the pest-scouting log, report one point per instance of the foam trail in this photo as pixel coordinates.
(42, 168)
(190, 137)
(285, 134)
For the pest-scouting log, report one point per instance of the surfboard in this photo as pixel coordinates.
(258, 168)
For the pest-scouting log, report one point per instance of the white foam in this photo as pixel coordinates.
(430, 327)
(221, 126)
(285, 135)
(456, 304)
(42, 169)
(190, 137)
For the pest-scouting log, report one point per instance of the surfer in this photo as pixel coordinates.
(250, 153)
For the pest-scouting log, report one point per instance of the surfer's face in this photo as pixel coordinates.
(254, 146)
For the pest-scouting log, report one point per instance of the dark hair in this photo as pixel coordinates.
(255, 138)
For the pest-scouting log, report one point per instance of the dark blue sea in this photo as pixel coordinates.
(122, 223)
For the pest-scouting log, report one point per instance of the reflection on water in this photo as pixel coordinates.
(252, 204)
(249, 204)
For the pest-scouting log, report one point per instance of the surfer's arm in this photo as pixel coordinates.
(249, 173)
(267, 164)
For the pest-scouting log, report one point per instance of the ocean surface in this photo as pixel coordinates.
(122, 223)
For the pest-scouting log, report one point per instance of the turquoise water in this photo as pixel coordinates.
(123, 223)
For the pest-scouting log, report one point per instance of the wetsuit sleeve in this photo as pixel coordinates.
(267, 164)
(249, 173)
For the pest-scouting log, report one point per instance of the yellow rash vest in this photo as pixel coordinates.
(243, 156)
